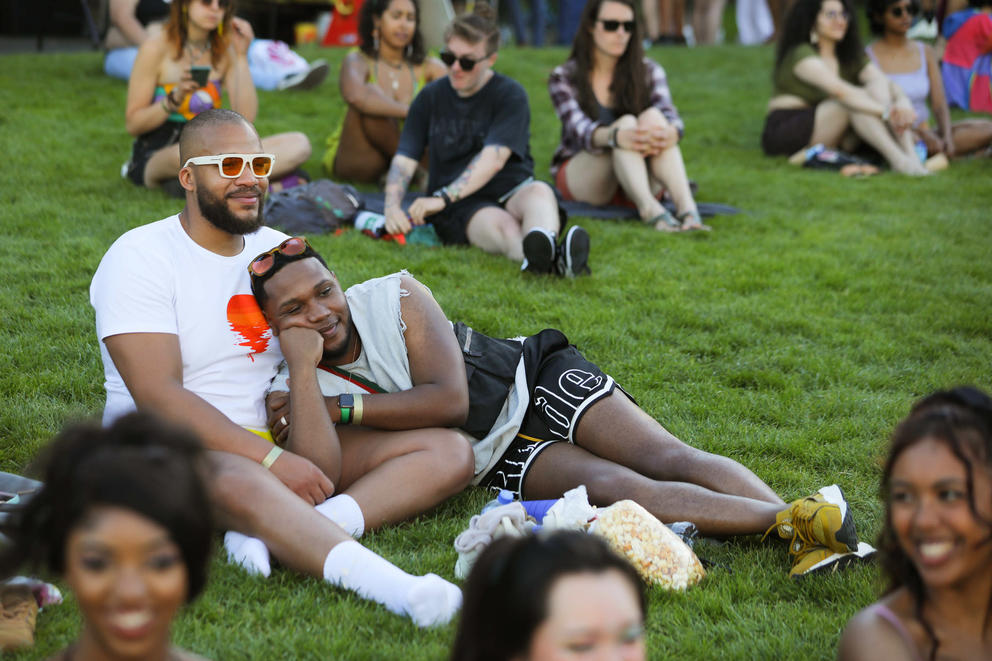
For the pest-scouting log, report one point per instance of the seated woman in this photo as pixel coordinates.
(551, 596)
(619, 129)
(124, 519)
(937, 484)
(131, 23)
(163, 94)
(378, 82)
(967, 62)
(913, 66)
(827, 92)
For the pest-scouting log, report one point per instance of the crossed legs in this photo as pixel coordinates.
(620, 452)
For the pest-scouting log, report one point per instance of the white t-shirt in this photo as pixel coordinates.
(156, 279)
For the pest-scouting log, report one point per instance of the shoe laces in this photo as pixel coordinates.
(803, 538)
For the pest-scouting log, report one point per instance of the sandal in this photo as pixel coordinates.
(692, 222)
(665, 222)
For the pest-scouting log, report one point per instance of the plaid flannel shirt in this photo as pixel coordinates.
(577, 127)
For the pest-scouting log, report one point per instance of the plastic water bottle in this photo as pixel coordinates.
(921, 151)
(538, 508)
(504, 497)
(373, 224)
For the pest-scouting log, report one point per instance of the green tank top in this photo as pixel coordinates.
(787, 82)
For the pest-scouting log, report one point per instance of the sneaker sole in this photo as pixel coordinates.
(838, 561)
(847, 534)
(539, 253)
(576, 251)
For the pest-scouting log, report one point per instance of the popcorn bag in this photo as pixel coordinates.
(656, 552)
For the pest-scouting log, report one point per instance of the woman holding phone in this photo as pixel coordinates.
(202, 41)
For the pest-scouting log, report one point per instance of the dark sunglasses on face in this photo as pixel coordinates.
(223, 4)
(290, 247)
(612, 26)
(465, 62)
(910, 9)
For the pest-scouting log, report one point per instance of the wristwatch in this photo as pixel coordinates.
(442, 194)
(346, 402)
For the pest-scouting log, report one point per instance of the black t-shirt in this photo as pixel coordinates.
(457, 128)
(150, 11)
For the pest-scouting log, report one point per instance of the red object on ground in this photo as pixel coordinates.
(343, 29)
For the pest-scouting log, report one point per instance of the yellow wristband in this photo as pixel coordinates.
(271, 457)
(356, 414)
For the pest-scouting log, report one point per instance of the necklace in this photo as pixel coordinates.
(196, 52)
(393, 68)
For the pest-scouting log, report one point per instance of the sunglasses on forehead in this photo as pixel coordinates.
(465, 62)
(291, 247)
(613, 25)
(231, 166)
(897, 10)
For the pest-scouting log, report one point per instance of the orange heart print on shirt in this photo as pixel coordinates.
(247, 321)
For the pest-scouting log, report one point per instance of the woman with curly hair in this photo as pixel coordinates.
(378, 82)
(179, 73)
(827, 92)
(937, 541)
(124, 519)
(620, 132)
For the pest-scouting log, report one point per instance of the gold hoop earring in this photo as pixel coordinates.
(220, 29)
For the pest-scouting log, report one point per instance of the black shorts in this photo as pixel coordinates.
(563, 388)
(146, 145)
(787, 131)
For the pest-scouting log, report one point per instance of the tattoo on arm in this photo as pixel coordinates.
(398, 180)
(456, 187)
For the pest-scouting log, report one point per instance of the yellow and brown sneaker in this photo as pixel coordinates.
(823, 519)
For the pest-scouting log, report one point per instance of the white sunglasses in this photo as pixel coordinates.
(231, 166)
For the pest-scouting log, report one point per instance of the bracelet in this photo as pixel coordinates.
(612, 142)
(357, 411)
(346, 416)
(271, 457)
(443, 194)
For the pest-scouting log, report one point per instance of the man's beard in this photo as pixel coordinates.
(332, 356)
(216, 210)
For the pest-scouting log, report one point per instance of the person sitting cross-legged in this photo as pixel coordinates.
(542, 419)
(476, 124)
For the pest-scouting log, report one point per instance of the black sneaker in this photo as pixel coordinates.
(573, 253)
(539, 252)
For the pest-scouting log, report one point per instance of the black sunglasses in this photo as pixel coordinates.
(465, 62)
(911, 10)
(611, 25)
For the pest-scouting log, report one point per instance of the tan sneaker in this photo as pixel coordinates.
(822, 519)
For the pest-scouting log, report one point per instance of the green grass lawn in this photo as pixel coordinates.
(792, 338)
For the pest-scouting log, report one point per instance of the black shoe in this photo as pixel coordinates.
(573, 253)
(539, 252)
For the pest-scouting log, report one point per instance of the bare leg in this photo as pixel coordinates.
(590, 177)
(650, 10)
(671, 479)
(366, 146)
(502, 230)
(971, 135)
(900, 155)
(396, 475)
(251, 500)
(631, 171)
(706, 15)
(830, 123)
(668, 167)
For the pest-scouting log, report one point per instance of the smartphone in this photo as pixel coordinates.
(200, 75)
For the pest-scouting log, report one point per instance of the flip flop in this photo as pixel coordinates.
(692, 222)
(665, 222)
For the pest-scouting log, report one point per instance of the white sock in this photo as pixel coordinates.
(344, 511)
(249, 552)
(428, 600)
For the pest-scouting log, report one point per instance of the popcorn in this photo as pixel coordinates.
(657, 553)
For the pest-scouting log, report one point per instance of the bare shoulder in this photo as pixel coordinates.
(355, 62)
(416, 295)
(434, 69)
(869, 636)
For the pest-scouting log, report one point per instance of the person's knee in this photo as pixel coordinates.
(456, 457)
(651, 118)
(299, 145)
(234, 489)
(626, 122)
